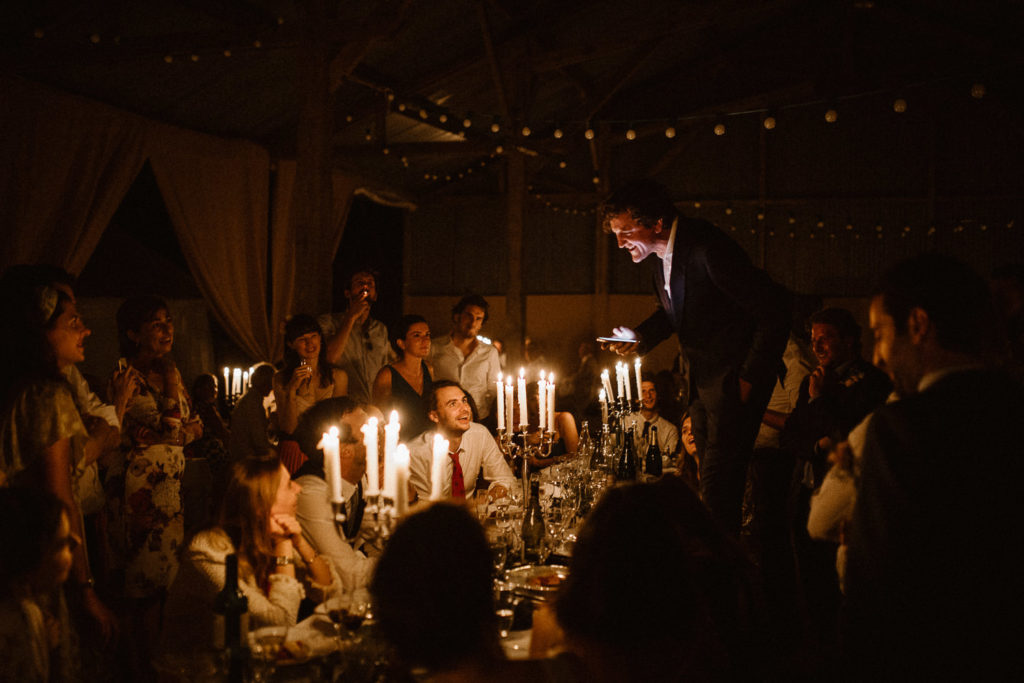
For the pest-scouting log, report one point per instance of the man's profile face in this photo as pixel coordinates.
(830, 347)
(453, 414)
(362, 286)
(470, 320)
(649, 395)
(894, 354)
(353, 455)
(630, 235)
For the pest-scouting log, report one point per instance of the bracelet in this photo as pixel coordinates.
(284, 561)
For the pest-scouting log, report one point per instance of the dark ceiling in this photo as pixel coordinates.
(231, 68)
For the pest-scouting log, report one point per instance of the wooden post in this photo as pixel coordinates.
(516, 198)
(313, 201)
(762, 195)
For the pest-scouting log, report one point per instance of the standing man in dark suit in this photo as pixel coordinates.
(934, 583)
(731, 319)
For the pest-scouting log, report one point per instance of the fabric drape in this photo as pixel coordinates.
(216, 192)
(315, 255)
(65, 165)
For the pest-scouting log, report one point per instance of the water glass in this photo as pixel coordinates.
(265, 644)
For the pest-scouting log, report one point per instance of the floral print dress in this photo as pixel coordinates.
(151, 509)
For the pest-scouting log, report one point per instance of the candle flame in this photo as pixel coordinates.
(333, 431)
(542, 375)
(394, 417)
(522, 373)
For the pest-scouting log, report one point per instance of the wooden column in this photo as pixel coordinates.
(516, 203)
(762, 196)
(313, 201)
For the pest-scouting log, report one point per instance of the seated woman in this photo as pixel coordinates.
(658, 592)
(433, 598)
(405, 385)
(276, 565)
(688, 464)
(305, 379)
(44, 443)
(35, 533)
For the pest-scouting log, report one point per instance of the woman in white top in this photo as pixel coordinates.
(276, 565)
(306, 377)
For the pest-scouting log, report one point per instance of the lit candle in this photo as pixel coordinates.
(437, 466)
(618, 380)
(508, 403)
(603, 398)
(626, 382)
(542, 403)
(332, 462)
(236, 382)
(522, 397)
(639, 388)
(245, 381)
(401, 479)
(501, 403)
(551, 403)
(370, 433)
(390, 445)
(227, 381)
(607, 384)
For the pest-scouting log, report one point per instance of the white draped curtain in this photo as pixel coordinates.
(66, 164)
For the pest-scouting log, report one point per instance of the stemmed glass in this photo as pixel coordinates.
(505, 603)
(265, 644)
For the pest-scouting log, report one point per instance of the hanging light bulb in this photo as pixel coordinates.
(589, 133)
(401, 106)
(443, 118)
(467, 122)
(769, 123)
(899, 105)
(670, 132)
(526, 131)
(423, 113)
(495, 128)
(631, 134)
(978, 90)
(562, 164)
(558, 133)
(831, 116)
(719, 129)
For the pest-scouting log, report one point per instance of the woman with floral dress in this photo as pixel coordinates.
(158, 424)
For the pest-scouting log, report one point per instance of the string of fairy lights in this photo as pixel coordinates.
(522, 135)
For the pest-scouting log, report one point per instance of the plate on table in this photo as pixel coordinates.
(540, 579)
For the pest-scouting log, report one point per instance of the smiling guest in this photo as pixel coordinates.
(472, 451)
(405, 385)
(464, 358)
(306, 377)
(276, 565)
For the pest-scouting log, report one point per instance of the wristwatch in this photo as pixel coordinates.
(284, 561)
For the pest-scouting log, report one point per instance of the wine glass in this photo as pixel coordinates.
(505, 603)
(265, 644)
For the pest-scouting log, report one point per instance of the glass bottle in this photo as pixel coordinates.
(626, 469)
(652, 459)
(533, 526)
(232, 620)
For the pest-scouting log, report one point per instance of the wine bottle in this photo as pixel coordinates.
(626, 470)
(583, 449)
(231, 608)
(533, 526)
(652, 459)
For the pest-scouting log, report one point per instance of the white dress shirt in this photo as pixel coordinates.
(477, 372)
(316, 516)
(478, 453)
(364, 355)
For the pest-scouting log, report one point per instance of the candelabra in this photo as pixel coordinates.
(516, 444)
(379, 508)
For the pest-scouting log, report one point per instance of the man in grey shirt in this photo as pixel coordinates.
(357, 343)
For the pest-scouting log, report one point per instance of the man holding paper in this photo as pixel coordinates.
(471, 450)
(731, 319)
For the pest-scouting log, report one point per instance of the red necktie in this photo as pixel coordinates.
(458, 485)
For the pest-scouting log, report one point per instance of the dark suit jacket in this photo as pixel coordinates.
(726, 312)
(935, 584)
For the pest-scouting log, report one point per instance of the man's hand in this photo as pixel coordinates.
(622, 348)
(816, 382)
(842, 456)
(358, 308)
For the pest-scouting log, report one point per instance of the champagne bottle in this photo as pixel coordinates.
(583, 450)
(232, 617)
(597, 452)
(652, 459)
(533, 526)
(626, 470)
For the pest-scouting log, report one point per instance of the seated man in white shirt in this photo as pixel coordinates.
(346, 544)
(668, 435)
(472, 451)
(464, 358)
